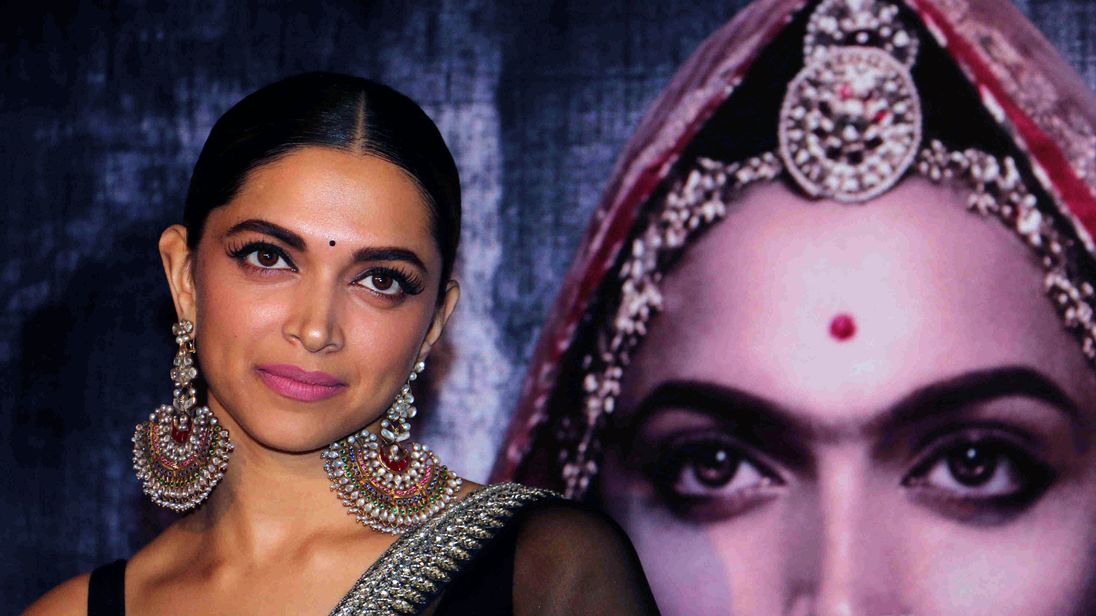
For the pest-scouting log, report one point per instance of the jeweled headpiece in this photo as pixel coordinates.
(850, 127)
(850, 124)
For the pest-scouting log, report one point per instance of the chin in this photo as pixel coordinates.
(290, 430)
(289, 438)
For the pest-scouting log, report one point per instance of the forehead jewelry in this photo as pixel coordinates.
(849, 129)
(384, 482)
(182, 451)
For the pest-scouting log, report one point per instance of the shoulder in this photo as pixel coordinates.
(570, 558)
(573, 535)
(547, 527)
(69, 597)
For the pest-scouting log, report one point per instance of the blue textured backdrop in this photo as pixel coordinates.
(103, 109)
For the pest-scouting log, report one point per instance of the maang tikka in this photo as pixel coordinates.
(182, 451)
(385, 483)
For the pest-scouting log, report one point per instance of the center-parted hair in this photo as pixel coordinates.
(328, 110)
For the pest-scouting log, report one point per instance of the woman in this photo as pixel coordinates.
(807, 341)
(312, 277)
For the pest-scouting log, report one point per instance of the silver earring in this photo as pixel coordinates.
(181, 452)
(387, 485)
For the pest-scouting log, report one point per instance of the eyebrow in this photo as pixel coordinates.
(295, 241)
(969, 388)
(389, 253)
(759, 420)
(286, 236)
(756, 420)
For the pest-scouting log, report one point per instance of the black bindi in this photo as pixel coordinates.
(331, 243)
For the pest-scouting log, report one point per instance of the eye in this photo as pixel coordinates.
(975, 473)
(390, 282)
(381, 282)
(708, 477)
(265, 258)
(262, 256)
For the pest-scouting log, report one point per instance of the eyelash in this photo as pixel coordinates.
(408, 282)
(681, 475)
(1002, 459)
(242, 252)
(678, 476)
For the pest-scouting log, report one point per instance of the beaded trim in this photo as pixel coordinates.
(701, 199)
(414, 570)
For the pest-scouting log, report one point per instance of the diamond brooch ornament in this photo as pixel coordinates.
(182, 451)
(850, 123)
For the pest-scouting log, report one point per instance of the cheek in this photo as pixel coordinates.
(227, 334)
(713, 567)
(1039, 565)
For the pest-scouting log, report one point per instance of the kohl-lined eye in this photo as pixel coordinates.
(978, 473)
(263, 256)
(709, 476)
(390, 282)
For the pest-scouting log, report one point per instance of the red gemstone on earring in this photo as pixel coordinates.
(179, 436)
(842, 327)
(395, 464)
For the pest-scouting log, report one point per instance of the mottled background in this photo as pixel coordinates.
(103, 109)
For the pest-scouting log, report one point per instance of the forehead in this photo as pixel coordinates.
(329, 194)
(933, 289)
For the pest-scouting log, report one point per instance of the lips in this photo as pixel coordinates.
(297, 384)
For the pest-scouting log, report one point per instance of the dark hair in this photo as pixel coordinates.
(328, 110)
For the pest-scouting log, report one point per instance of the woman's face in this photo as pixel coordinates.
(858, 409)
(313, 294)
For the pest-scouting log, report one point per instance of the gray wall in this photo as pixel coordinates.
(103, 109)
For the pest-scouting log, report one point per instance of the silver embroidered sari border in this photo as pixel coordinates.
(415, 569)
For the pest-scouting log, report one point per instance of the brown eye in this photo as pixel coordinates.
(266, 258)
(973, 465)
(715, 466)
(984, 472)
(706, 467)
(382, 282)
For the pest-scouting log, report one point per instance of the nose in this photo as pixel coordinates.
(856, 554)
(313, 319)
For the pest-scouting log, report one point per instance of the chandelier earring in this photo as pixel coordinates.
(386, 482)
(182, 451)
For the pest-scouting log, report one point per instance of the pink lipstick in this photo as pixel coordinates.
(297, 384)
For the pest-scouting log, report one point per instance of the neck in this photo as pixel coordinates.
(269, 502)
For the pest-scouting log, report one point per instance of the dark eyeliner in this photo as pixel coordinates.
(241, 252)
(409, 282)
(1037, 477)
(677, 453)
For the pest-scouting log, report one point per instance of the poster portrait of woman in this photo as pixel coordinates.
(828, 344)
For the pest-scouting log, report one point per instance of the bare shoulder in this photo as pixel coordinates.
(68, 598)
(573, 559)
(558, 526)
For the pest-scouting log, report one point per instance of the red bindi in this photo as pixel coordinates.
(842, 327)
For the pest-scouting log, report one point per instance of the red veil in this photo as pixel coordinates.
(1040, 102)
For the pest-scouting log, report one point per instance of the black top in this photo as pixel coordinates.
(556, 556)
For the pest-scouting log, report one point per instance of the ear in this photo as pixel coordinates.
(177, 267)
(441, 317)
